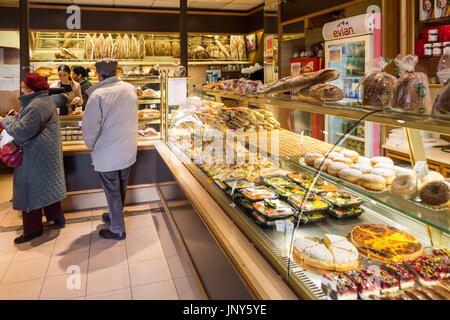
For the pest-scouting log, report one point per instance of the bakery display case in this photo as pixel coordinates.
(354, 229)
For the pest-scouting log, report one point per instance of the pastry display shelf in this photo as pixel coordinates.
(274, 246)
(144, 100)
(439, 219)
(161, 61)
(433, 123)
(79, 118)
(215, 62)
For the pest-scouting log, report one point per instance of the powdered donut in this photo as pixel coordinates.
(311, 157)
(350, 175)
(372, 182)
(364, 168)
(336, 167)
(404, 185)
(389, 175)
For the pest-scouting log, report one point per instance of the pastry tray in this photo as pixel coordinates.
(442, 208)
(313, 190)
(347, 205)
(310, 220)
(283, 216)
(275, 195)
(229, 183)
(262, 178)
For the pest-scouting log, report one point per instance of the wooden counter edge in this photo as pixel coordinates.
(260, 277)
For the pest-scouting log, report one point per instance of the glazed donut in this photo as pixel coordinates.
(388, 175)
(375, 160)
(311, 157)
(432, 176)
(435, 193)
(351, 154)
(345, 160)
(332, 155)
(364, 168)
(350, 175)
(384, 165)
(364, 160)
(318, 163)
(336, 167)
(404, 185)
(372, 182)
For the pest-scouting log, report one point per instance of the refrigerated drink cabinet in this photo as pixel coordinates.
(349, 45)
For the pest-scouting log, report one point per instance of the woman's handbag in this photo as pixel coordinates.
(11, 154)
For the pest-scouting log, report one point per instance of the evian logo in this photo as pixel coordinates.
(343, 30)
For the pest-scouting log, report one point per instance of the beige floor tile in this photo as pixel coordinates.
(164, 290)
(142, 234)
(3, 268)
(76, 229)
(138, 207)
(6, 257)
(98, 212)
(144, 220)
(98, 225)
(7, 252)
(145, 251)
(106, 280)
(63, 287)
(99, 243)
(12, 219)
(8, 237)
(106, 258)
(71, 245)
(149, 271)
(24, 290)
(78, 298)
(122, 294)
(178, 266)
(26, 252)
(187, 289)
(59, 264)
(26, 270)
(160, 225)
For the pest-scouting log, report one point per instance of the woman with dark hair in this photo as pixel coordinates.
(72, 88)
(39, 183)
(80, 75)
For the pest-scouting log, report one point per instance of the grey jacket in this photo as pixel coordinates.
(40, 180)
(110, 124)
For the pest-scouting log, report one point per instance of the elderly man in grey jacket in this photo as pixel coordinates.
(109, 128)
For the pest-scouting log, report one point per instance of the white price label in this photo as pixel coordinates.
(301, 137)
(280, 225)
(289, 226)
(421, 169)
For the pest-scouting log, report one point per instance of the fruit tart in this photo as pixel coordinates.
(439, 263)
(389, 284)
(427, 275)
(338, 287)
(442, 252)
(365, 284)
(405, 278)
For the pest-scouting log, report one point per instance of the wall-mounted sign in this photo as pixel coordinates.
(352, 27)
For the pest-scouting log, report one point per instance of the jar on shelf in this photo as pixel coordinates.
(428, 50)
(437, 49)
(445, 45)
(433, 35)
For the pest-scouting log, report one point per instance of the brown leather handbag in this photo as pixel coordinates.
(11, 154)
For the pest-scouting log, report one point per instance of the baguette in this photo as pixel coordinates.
(134, 46)
(126, 48)
(107, 46)
(141, 47)
(223, 49)
(116, 50)
(98, 52)
(324, 92)
(300, 81)
(88, 47)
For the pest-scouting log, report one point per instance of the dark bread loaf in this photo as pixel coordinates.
(300, 81)
(442, 106)
(324, 92)
(412, 93)
(377, 89)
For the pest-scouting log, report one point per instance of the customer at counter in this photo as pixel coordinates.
(72, 89)
(39, 183)
(80, 75)
(109, 127)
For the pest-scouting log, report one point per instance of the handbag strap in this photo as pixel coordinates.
(42, 127)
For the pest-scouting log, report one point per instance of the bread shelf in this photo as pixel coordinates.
(216, 62)
(349, 110)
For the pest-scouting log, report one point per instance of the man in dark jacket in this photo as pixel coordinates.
(39, 183)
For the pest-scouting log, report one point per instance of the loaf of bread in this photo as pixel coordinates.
(234, 47)
(324, 92)
(300, 81)
(159, 48)
(98, 47)
(242, 48)
(107, 46)
(442, 105)
(116, 50)
(412, 93)
(167, 48)
(149, 49)
(126, 48)
(377, 89)
(88, 47)
(223, 49)
(175, 49)
(201, 53)
(141, 47)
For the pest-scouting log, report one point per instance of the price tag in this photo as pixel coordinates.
(289, 226)
(301, 137)
(280, 225)
(421, 169)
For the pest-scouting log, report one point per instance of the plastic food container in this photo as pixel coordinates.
(258, 193)
(311, 217)
(341, 199)
(238, 183)
(313, 204)
(276, 181)
(428, 50)
(345, 213)
(274, 209)
(437, 49)
(433, 35)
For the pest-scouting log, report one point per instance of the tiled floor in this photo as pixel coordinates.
(75, 263)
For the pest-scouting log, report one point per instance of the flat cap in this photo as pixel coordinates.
(106, 65)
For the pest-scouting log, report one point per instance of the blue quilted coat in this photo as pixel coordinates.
(40, 180)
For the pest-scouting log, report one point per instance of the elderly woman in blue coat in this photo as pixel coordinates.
(39, 183)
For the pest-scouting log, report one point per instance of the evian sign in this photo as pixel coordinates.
(351, 27)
